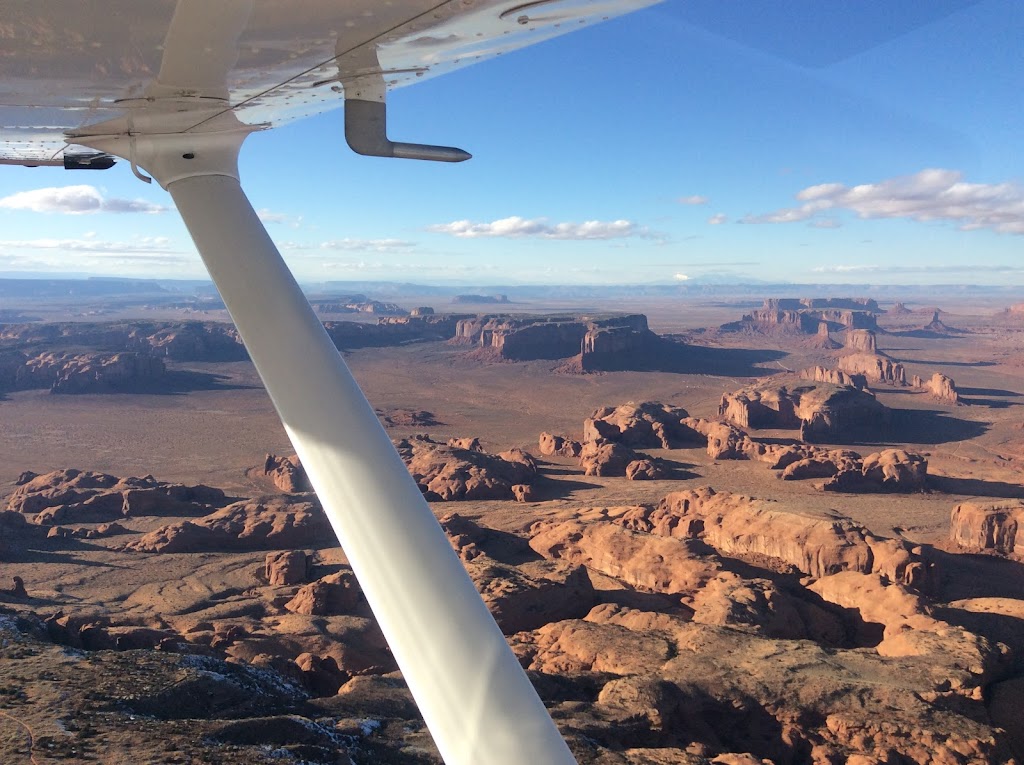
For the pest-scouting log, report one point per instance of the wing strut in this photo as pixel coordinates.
(474, 696)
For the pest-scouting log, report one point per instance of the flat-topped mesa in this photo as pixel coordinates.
(392, 330)
(599, 341)
(824, 412)
(480, 299)
(178, 341)
(792, 316)
(989, 527)
(90, 372)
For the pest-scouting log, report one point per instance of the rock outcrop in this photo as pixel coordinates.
(446, 472)
(647, 425)
(834, 377)
(562, 446)
(286, 473)
(742, 526)
(287, 567)
(591, 343)
(874, 367)
(944, 389)
(822, 411)
(805, 317)
(268, 523)
(988, 527)
(81, 496)
(891, 470)
(91, 372)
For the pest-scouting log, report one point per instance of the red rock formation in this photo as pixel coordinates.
(533, 594)
(464, 535)
(646, 425)
(286, 473)
(891, 470)
(944, 389)
(738, 525)
(562, 446)
(331, 595)
(65, 496)
(268, 523)
(603, 458)
(823, 412)
(650, 562)
(449, 473)
(988, 526)
(90, 372)
(862, 341)
(823, 339)
(834, 377)
(874, 368)
(646, 470)
(287, 567)
(469, 444)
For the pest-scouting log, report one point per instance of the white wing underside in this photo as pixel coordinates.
(76, 69)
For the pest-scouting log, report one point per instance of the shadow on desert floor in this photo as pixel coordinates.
(929, 426)
(975, 487)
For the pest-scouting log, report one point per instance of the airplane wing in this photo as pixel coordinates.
(68, 66)
(175, 88)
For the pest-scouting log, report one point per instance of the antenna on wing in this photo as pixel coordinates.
(366, 114)
(366, 134)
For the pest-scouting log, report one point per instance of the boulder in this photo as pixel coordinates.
(562, 446)
(602, 458)
(646, 470)
(331, 595)
(286, 567)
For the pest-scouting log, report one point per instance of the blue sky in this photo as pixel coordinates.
(800, 143)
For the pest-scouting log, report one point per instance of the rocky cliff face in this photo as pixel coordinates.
(90, 372)
(791, 316)
(874, 367)
(988, 526)
(598, 342)
(824, 412)
(393, 330)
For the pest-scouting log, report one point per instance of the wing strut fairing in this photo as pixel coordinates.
(224, 70)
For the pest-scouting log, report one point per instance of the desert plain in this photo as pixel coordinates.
(733, 530)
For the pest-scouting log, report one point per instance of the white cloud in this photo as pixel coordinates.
(930, 195)
(75, 200)
(718, 219)
(139, 245)
(696, 199)
(520, 228)
(682, 277)
(368, 245)
(825, 223)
